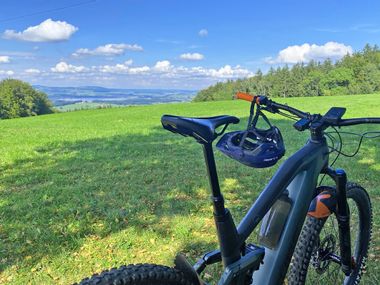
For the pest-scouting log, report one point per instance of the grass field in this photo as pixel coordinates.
(95, 189)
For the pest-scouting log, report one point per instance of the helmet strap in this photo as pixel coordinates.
(254, 116)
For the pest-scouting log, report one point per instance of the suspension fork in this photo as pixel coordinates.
(343, 217)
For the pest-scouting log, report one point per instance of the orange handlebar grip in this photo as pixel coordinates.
(244, 96)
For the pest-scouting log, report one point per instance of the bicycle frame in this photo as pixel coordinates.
(298, 175)
(293, 185)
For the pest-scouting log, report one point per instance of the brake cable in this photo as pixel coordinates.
(374, 134)
(362, 136)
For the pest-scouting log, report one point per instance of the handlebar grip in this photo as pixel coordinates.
(244, 96)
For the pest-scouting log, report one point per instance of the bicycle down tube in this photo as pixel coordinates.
(298, 174)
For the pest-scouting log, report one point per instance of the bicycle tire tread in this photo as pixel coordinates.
(138, 274)
(310, 232)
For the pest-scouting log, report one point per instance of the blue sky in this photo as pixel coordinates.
(174, 44)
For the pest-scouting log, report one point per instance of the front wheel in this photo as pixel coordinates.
(139, 274)
(320, 237)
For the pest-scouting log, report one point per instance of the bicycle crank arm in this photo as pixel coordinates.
(338, 260)
(333, 257)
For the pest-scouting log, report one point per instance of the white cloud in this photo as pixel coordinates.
(203, 33)
(230, 72)
(47, 31)
(162, 66)
(225, 72)
(162, 73)
(4, 59)
(6, 72)
(128, 62)
(117, 68)
(165, 69)
(122, 68)
(63, 67)
(139, 70)
(32, 71)
(108, 50)
(192, 56)
(307, 52)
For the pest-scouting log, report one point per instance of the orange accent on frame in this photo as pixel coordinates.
(321, 210)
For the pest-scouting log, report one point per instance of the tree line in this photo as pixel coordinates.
(20, 99)
(357, 73)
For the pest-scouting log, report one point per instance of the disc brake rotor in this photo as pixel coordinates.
(319, 258)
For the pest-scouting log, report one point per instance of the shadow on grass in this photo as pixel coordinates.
(68, 191)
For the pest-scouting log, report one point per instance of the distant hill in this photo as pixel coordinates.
(358, 73)
(61, 96)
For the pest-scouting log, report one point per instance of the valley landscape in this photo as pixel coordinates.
(88, 97)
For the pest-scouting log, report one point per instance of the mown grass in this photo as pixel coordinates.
(95, 189)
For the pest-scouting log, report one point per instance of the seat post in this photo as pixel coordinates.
(226, 230)
(217, 197)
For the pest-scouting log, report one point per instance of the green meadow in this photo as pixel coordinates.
(94, 189)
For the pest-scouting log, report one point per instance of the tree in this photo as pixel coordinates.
(337, 81)
(20, 99)
(354, 74)
(312, 83)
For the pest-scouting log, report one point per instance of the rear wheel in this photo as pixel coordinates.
(139, 274)
(320, 238)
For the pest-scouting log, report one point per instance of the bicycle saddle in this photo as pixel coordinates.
(202, 129)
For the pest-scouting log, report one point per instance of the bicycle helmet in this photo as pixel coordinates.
(254, 147)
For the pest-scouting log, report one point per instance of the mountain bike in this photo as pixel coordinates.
(309, 233)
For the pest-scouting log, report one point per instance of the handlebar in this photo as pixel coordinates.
(358, 121)
(244, 96)
(274, 107)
